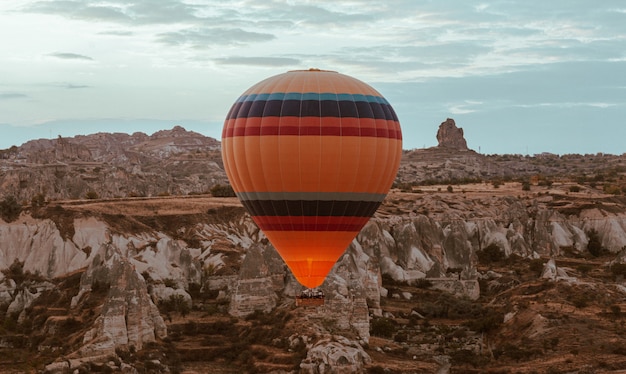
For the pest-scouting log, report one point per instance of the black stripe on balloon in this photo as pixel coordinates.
(311, 208)
(312, 108)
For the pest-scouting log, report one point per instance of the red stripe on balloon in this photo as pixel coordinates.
(310, 223)
(391, 131)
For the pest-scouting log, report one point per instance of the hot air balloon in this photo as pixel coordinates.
(311, 154)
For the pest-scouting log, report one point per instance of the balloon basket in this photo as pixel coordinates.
(310, 297)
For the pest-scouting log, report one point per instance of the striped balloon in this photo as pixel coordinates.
(311, 154)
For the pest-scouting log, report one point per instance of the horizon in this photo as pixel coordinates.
(518, 78)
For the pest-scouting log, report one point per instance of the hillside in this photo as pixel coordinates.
(179, 162)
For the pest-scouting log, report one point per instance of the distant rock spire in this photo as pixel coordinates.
(450, 136)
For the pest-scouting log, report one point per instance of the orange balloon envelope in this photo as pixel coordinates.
(311, 154)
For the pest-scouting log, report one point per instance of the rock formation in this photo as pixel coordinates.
(450, 136)
(128, 317)
(169, 162)
(336, 355)
(260, 278)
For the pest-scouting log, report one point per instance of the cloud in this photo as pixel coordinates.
(118, 33)
(69, 86)
(70, 56)
(258, 61)
(318, 15)
(205, 37)
(125, 12)
(12, 95)
(79, 10)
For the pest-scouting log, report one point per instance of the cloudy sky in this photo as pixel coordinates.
(518, 76)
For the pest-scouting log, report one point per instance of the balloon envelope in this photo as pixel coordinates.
(311, 154)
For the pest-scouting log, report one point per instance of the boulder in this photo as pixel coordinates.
(336, 355)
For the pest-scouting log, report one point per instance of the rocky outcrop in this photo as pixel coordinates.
(450, 136)
(335, 355)
(109, 165)
(260, 278)
(128, 318)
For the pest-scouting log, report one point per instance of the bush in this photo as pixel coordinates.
(489, 254)
(222, 191)
(10, 209)
(489, 320)
(618, 269)
(423, 283)
(175, 303)
(91, 195)
(383, 327)
(38, 200)
(594, 246)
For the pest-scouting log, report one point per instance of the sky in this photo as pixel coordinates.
(520, 77)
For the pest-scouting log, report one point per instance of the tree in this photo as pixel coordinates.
(10, 209)
(222, 191)
(383, 327)
(38, 200)
(491, 253)
(594, 246)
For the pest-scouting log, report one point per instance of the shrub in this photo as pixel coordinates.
(222, 191)
(584, 268)
(616, 310)
(489, 254)
(175, 303)
(618, 269)
(594, 246)
(536, 266)
(383, 327)
(574, 188)
(10, 209)
(38, 200)
(612, 189)
(91, 195)
(169, 282)
(423, 283)
(489, 320)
